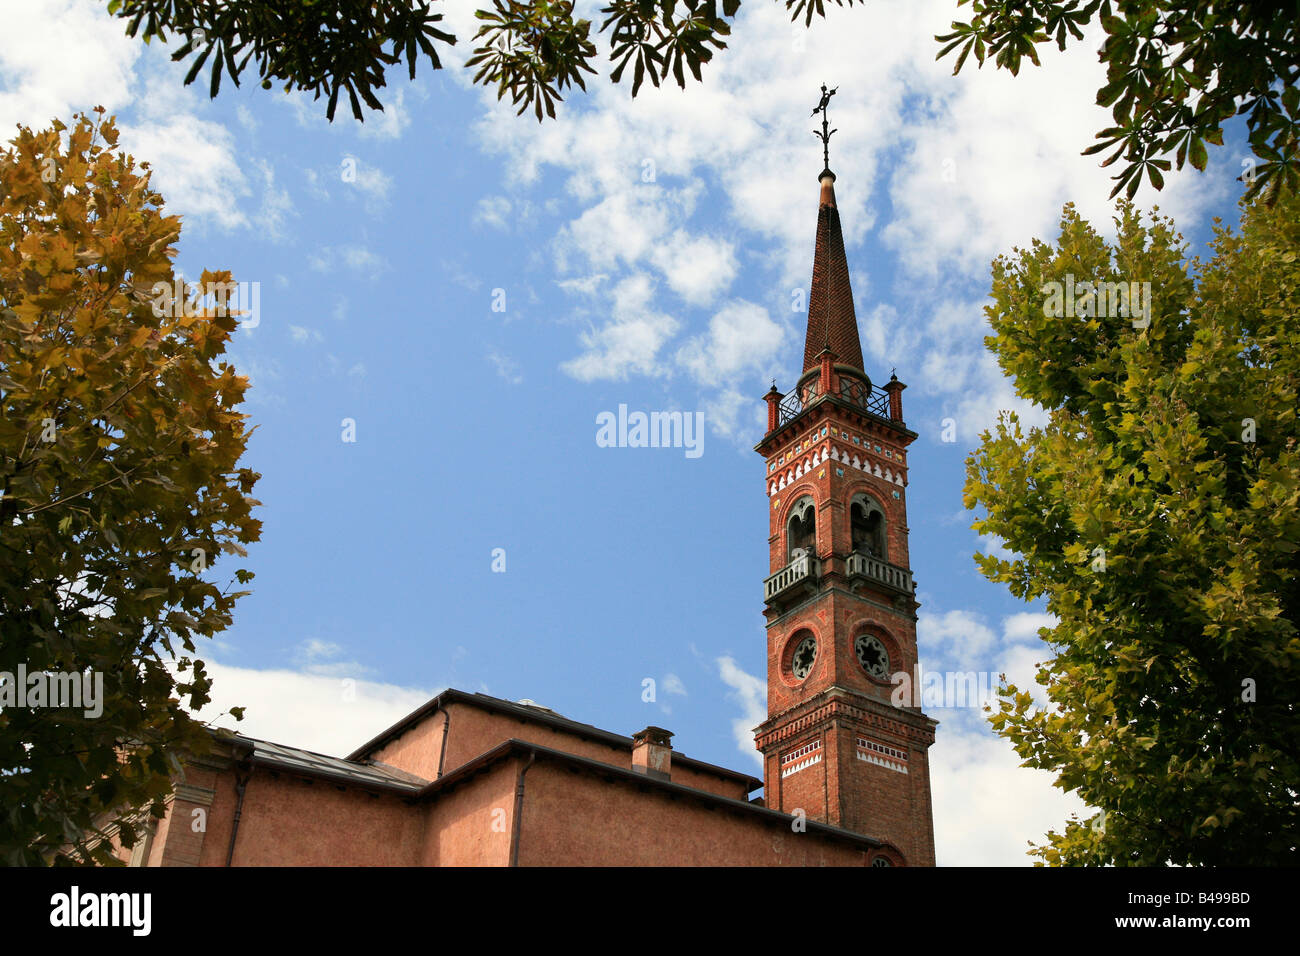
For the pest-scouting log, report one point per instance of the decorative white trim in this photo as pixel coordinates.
(802, 758)
(882, 755)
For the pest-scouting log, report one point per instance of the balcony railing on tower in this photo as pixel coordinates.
(867, 566)
(856, 394)
(804, 569)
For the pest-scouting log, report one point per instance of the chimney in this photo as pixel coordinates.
(652, 753)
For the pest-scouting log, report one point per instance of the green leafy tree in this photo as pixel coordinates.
(119, 489)
(1158, 514)
(1175, 70)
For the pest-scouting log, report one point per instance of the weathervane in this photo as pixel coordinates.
(826, 132)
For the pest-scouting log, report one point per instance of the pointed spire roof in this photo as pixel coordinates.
(832, 322)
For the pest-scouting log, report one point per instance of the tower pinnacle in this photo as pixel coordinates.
(832, 322)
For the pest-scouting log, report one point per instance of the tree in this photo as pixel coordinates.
(1176, 71)
(1158, 513)
(119, 491)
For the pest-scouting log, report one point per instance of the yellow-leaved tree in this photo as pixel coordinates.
(120, 494)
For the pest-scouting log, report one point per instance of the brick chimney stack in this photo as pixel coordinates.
(652, 752)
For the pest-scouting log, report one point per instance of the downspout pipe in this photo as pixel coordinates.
(442, 755)
(242, 774)
(519, 809)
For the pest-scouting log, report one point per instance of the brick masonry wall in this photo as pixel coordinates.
(860, 795)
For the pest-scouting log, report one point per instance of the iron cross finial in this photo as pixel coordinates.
(826, 131)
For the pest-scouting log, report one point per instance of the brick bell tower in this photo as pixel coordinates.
(840, 601)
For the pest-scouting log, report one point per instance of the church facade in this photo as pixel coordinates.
(469, 779)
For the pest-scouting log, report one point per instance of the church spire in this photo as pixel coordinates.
(832, 323)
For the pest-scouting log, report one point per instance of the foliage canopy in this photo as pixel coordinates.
(1158, 514)
(120, 489)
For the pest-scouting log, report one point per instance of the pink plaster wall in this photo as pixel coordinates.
(289, 822)
(470, 825)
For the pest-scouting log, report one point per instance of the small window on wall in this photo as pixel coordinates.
(867, 526)
(801, 531)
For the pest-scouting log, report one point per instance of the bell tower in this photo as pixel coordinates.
(840, 601)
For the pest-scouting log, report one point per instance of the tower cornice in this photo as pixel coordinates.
(841, 702)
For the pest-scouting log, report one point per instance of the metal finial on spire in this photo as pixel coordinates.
(826, 132)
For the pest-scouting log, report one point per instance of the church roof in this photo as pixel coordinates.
(296, 760)
(541, 715)
(831, 319)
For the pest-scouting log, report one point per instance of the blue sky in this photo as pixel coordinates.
(647, 252)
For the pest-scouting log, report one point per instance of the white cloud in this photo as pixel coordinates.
(357, 258)
(462, 277)
(366, 179)
(314, 649)
(319, 658)
(630, 342)
(195, 168)
(276, 204)
(742, 337)
(957, 639)
(986, 807)
(751, 693)
(638, 216)
(493, 210)
(586, 286)
(733, 413)
(672, 684)
(697, 268)
(326, 713)
(1025, 625)
(506, 367)
(72, 56)
(392, 122)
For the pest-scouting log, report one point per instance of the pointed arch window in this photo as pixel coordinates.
(867, 527)
(801, 529)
